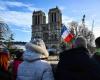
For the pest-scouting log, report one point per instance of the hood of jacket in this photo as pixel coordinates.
(30, 55)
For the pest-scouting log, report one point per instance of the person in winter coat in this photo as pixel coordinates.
(4, 58)
(97, 53)
(76, 64)
(34, 67)
(16, 63)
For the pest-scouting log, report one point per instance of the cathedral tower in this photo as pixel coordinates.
(55, 17)
(38, 19)
(54, 24)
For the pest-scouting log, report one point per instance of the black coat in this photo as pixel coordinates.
(75, 64)
(4, 75)
(96, 57)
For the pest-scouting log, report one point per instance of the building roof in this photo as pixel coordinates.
(38, 12)
(54, 9)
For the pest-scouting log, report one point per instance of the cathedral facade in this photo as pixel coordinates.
(50, 32)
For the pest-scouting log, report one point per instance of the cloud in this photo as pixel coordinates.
(25, 29)
(66, 19)
(19, 19)
(62, 8)
(6, 4)
(22, 20)
(15, 3)
(20, 4)
(34, 8)
(96, 31)
(3, 6)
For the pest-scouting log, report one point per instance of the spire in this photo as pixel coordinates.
(83, 19)
(57, 7)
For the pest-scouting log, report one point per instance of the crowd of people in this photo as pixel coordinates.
(74, 63)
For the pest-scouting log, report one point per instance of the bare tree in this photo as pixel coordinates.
(82, 30)
(5, 32)
(73, 26)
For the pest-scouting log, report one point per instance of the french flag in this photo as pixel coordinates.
(66, 35)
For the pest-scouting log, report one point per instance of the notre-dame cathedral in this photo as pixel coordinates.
(50, 32)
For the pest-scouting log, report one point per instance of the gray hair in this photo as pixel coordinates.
(80, 41)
